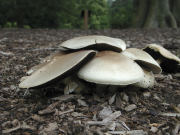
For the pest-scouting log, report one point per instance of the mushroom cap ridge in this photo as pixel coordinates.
(94, 42)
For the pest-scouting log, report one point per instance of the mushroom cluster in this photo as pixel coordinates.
(97, 59)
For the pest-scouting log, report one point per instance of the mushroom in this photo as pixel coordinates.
(58, 67)
(94, 42)
(44, 62)
(111, 68)
(168, 61)
(147, 81)
(143, 59)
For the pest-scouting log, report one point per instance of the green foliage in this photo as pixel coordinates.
(32, 13)
(64, 14)
(10, 25)
(100, 14)
(121, 13)
(26, 27)
(72, 18)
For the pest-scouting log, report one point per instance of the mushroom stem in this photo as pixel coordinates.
(159, 61)
(73, 84)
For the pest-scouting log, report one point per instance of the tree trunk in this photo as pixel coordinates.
(175, 8)
(138, 20)
(156, 13)
(150, 20)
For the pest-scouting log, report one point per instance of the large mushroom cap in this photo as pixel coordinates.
(111, 68)
(142, 58)
(147, 81)
(57, 67)
(95, 43)
(168, 61)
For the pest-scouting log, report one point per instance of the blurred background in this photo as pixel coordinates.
(89, 14)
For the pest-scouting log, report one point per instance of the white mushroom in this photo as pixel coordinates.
(111, 68)
(143, 59)
(168, 61)
(57, 67)
(94, 42)
(147, 81)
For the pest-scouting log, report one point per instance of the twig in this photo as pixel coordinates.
(112, 116)
(132, 132)
(65, 97)
(20, 126)
(170, 114)
(6, 53)
(49, 109)
(98, 123)
(41, 49)
(3, 99)
(61, 113)
(124, 124)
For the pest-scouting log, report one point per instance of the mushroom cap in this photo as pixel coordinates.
(111, 68)
(147, 81)
(44, 62)
(162, 51)
(94, 42)
(57, 67)
(143, 58)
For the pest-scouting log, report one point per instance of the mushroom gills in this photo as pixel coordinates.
(168, 61)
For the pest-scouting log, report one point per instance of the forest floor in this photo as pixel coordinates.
(49, 111)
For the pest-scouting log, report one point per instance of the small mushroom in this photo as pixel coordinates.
(147, 81)
(94, 42)
(111, 68)
(58, 67)
(168, 61)
(143, 59)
